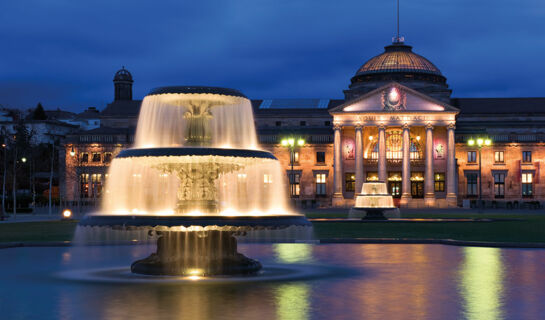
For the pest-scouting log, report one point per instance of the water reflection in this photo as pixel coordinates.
(293, 252)
(481, 283)
(292, 301)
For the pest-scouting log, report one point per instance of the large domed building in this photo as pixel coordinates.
(399, 63)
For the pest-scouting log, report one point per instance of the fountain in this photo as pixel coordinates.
(374, 200)
(194, 181)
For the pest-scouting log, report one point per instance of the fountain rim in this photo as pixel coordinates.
(196, 90)
(151, 221)
(194, 151)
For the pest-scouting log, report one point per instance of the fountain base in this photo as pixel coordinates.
(196, 253)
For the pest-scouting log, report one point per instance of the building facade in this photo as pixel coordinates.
(398, 123)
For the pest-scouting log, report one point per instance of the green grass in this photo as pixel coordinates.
(37, 231)
(512, 227)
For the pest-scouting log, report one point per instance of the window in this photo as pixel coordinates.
(526, 156)
(278, 123)
(327, 123)
(498, 156)
(394, 147)
(84, 185)
(372, 176)
(472, 184)
(295, 157)
(320, 157)
(267, 178)
(527, 180)
(320, 184)
(499, 184)
(439, 182)
(96, 185)
(96, 157)
(295, 179)
(107, 157)
(349, 182)
(84, 157)
(302, 123)
(472, 156)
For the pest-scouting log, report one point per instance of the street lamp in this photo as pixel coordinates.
(291, 143)
(479, 143)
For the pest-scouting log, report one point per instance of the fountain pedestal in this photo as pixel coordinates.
(202, 253)
(374, 200)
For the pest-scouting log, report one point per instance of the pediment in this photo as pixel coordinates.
(393, 97)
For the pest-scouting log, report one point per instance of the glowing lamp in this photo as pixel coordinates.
(66, 214)
(370, 138)
(300, 142)
(291, 142)
(417, 138)
(284, 142)
(487, 142)
(72, 152)
(471, 142)
(480, 142)
(23, 159)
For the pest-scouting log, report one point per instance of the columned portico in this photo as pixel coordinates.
(382, 173)
(409, 144)
(337, 166)
(452, 198)
(359, 158)
(429, 193)
(406, 167)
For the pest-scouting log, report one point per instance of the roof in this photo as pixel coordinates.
(123, 75)
(499, 105)
(396, 58)
(124, 108)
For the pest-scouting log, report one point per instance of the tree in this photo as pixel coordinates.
(39, 113)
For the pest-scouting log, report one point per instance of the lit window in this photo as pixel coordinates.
(527, 180)
(321, 184)
(350, 182)
(439, 182)
(267, 178)
(394, 147)
(295, 179)
(295, 156)
(107, 157)
(498, 156)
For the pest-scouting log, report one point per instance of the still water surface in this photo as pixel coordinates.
(389, 281)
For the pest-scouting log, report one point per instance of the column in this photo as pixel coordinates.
(382, 175)
(429, 192)
(359, 158)
(406, 167)
(451, 167)
(337, 166)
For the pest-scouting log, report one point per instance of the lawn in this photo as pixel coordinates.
(509, 227)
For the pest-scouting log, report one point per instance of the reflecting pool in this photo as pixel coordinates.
(371, 281)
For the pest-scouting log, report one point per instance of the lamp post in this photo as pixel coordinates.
(479, 143)
(291, 143)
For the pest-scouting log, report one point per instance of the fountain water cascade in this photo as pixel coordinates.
(374, 200)
(194, 180)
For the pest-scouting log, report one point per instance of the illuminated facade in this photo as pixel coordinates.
(397, 123)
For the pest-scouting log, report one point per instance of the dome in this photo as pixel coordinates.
(398, 59)
(123, 75)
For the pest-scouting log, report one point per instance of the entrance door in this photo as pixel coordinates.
(417, 189)
(394, 187)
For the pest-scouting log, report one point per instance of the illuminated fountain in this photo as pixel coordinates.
(194, 180)
(374, 200)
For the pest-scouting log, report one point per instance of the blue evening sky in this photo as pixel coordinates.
(64, 53)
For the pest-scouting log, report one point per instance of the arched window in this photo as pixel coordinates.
(394, 147)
